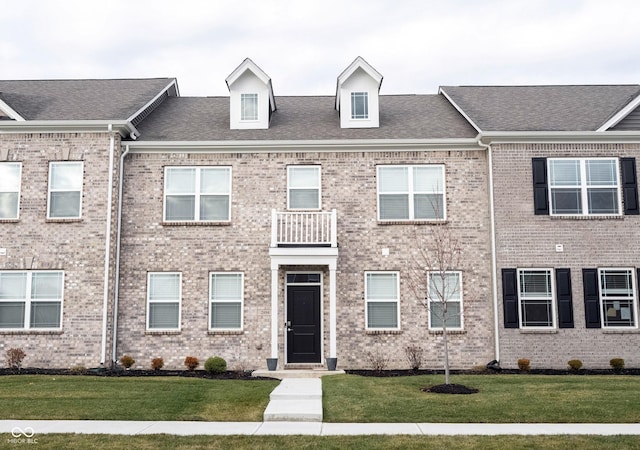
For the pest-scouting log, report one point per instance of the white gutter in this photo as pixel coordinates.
(559, 137)
(107, 255)
(122, 127)
(117, 274)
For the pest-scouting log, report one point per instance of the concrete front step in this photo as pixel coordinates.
(295, 400)
(295, 373)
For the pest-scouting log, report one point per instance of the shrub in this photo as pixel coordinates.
(617, 363)
(575, 365)
(80, 370)
(127, 361)
(215, 364)
(14, 357)
(191, 362)
(157, 363)
(524, 364)
(414, 355)
(377, 360)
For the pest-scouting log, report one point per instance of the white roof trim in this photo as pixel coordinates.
(9, 111)
(173, 84)
(559, 137)
(460, 110)
(247, 64)
(624, 112)
(67, 126)
(358, 63)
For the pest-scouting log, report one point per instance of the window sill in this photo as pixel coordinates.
(49, 220)
(526, 331)
(9, 220)
(449, 332)
(196, 224)
(225, 332)
(412, 222)
(619, 331)
(377, 332)
(606, 217)
(162, 333)
(33, 332)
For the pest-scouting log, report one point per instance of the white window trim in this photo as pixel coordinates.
(28, 300)
(18, 191)
(244, 96)
(49, 190)
(377, 300)
(554, 300)
(211, 301)
(410, 192)
(365, 96)
(197, 194)
(584, 188)
(319, 187)
(634, 291)
(179, 328)
(460, 288)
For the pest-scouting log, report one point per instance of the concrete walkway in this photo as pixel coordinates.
(33, 428)
(295, 400)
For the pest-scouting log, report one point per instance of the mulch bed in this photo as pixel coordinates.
(449, 389)
(101, 372)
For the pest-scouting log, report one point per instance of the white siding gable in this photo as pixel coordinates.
(359, 87)
(249, 81)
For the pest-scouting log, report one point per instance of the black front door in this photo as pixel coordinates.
(303, 324)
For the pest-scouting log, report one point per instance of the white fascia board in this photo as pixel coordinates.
(559, 137)
(9, 111)
(624, 112)
(247, 64)
(150, 102)
(371, 145)
(460, 110)
(66, 126)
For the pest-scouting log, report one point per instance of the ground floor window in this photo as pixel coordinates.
(535, 298)
(31, 299)
(164, 293)
(226, 294)
(445, 300)
(382, 298)
(617, 297)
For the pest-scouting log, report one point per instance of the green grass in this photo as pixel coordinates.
(160, 442)
(502, 399)
(152, 398)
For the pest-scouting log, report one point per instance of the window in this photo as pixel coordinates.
(226, 293)
(584, 186)
(445, 287)
(248, 106)
(164, 291)
(197, 194)
(10, 174)
(65, 190)
(617, 297)
(303, 187)
(359, 105)
(411, 192)
(382, 300)
(535, 298)
(31, 299)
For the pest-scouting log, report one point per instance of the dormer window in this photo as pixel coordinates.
(249, 106)
(359, 105)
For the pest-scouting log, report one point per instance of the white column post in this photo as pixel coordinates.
(274, 310)
(332, 312)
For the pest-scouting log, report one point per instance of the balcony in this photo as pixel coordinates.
(303, 229)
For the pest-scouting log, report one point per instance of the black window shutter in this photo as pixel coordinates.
(591, 298)
(629, 186)
(565, 302)
(540, 188)
(510, 298)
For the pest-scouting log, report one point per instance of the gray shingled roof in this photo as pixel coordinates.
(305, 118)
(80, 99)
(541, 108)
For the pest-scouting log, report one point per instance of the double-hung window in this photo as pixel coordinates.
(197, 194)
(584, 186)
(31, 299)
(164, 293)
(10, 173)
(445, 300)
(536, 299)
(618, 297)
(359, 105)
(382, 298)
(411, 193)
(248, 106)
(226, 293)
(65, 190)
(303, 187)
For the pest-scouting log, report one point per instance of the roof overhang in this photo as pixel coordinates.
(10, 112)
(123, 127)
(558, 137)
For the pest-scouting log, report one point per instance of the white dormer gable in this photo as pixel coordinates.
(251, 97)
(358, 94)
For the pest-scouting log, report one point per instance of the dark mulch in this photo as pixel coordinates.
(228, 375)
(449, 389)
(404, 373)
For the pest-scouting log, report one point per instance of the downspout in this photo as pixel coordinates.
(118, 237)
(494, 264)
(107, 253)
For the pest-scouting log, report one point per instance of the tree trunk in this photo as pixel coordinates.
(446, 354)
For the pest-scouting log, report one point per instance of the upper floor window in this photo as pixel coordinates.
(65, 190)
(164, 293)
(382, 298)
(617, 297)
(411, 192)
(10, 173)
(359, 105)
(445, 300)
(303, 187)
(248, 106)
(584, 186)
(535, 298)
(31, 299)
(197, 194)
(226, 294)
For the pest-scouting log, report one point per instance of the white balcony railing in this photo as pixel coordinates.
(311, 229)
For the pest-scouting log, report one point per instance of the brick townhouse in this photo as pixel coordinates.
(259, 227)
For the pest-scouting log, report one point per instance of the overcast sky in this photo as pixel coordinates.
(417, 45)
